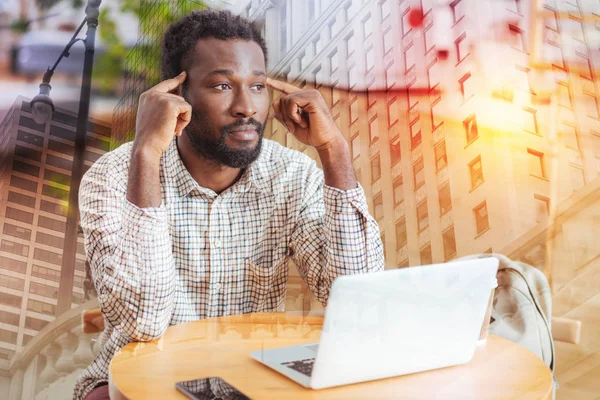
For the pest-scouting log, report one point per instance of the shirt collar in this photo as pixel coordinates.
(180, 183)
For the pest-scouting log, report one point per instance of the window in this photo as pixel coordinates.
(14, 248)
(370, 59)
(350, 44)
(303, 61)
(419, 173)
(517, 38)
(393, 112)
(401, 236)
(7, 336)
(375, 169)
(458, 9)
(43, 290)
(19, 215)
(21, 199)
(17, 231)
(352, 76)
(482, 222)
(390, 78)
(476, 172)
(355, 145)
(317, 45)
(25, 168)
(410, 57)
(542, 207)
(531, 124)
(415, 133)
(59, 162)
(462, 49)
(45, 273)
(449, 239)
(55, 192)
(426, 257)
(378, 207)
(9, 318)
(30, 138)
(26, 152)
(335, 95)
(334, 61)
(50, 223)
(395, 151)
(466, 86)
(436, 121)
(61, 147)
(57, 177)
(441, 160)
(53, 208)
(536, 163)
(445, 199)
(13, 265)
(49, 240)
(12, 282)
(35, 324)
(422, 215)
(385, 9)
(590, 105)
(354, 111)
(334, 27)
(10, 300)
(24, 184)
(388, 41)
(78, 281)
(367, 26)
(577, 178)
(564, 95)
(62, 133)
(47, 256)
(471, 131)
(42, 308)
(429, 39)
(371, 97)
(398, 187)
(311, 10)
(373, 130)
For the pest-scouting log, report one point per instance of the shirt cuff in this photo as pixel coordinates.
(143, 220)
(340, 201)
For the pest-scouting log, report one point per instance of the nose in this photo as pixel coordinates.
(243, 105)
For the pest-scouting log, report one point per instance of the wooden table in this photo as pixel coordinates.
(220, 347)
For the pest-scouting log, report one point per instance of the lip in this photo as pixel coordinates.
(246, 133)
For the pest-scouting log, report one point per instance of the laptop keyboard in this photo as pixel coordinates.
(303, 366)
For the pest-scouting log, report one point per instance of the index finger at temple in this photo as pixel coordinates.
(170, 84)
(284, 87)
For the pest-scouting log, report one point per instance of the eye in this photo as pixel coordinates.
(259, 87)
(222, 86)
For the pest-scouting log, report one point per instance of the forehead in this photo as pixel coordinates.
(237, 55)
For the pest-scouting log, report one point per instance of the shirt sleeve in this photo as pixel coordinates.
(335, 235)
(130, 256)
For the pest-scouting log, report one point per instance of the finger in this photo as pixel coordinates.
(170, 84)
(277, 109)
(294, 112)
(184, 117)
(284, 87)
(285, 116)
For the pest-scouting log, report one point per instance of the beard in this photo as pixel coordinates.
(217, 150)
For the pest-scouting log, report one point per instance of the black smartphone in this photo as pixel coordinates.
(213, 388)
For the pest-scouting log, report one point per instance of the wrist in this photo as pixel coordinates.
(334, 147)
(145, 153)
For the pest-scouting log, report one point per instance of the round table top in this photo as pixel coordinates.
(220, 347)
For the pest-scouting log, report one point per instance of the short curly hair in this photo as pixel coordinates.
(181, 36)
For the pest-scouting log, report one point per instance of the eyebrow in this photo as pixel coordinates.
(230, 72)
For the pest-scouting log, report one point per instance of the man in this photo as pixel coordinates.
(199, 216)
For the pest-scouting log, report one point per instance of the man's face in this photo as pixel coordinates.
(226, 87)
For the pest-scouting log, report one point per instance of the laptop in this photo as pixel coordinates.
(392, 323)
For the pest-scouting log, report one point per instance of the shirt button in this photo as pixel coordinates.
(217, 243)
(218, 286)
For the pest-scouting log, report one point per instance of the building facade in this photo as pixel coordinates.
(35, 174)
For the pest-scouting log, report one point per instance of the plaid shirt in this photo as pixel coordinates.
(202, 255)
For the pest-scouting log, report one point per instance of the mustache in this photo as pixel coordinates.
(250, 121)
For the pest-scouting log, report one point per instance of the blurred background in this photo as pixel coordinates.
(474, 127)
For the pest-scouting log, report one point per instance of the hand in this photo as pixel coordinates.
(162, 113)
(306, 115)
